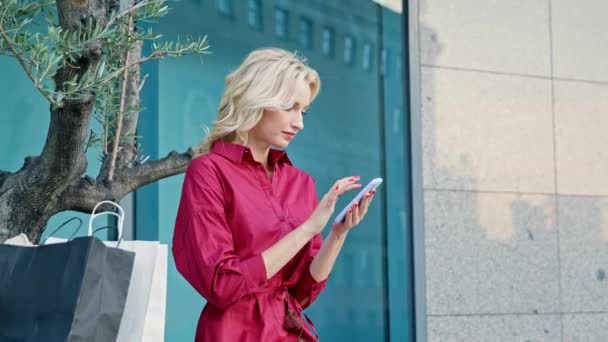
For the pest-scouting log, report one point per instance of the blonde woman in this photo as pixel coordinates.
(247, 233)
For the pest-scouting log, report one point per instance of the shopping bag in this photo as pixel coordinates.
(154, 325)
(71, 291)
(139, 295)
(144, 314)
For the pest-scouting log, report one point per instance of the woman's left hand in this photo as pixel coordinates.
(355, 215)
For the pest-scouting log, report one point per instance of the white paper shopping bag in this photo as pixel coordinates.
(138, 297)
(154, 326)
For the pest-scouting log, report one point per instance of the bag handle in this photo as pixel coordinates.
(120, 215)
(61, 226)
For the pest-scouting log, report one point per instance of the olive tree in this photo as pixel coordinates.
(85, 61)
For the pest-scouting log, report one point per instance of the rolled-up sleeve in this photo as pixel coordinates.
(203, 247)
(307, 289)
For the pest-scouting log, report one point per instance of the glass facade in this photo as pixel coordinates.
(355, 126)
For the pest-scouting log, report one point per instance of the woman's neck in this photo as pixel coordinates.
(260, 153)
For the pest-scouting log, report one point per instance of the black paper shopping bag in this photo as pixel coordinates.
(72, 291)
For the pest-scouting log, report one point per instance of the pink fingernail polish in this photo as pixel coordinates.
(337, 187)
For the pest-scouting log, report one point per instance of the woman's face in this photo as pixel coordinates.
(278, 127)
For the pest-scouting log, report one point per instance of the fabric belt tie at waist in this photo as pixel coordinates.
(295, 320)
(280, 293)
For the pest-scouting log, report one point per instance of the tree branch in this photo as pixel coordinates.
(141, 85)
(123, 92)
(127, 153)
(83, 195)
(125, 12)
(86, 192)
(128, 66)
(174, 163)
(19, 58)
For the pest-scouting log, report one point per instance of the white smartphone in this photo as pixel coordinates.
(373, 184)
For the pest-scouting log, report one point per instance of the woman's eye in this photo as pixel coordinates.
(304, 112)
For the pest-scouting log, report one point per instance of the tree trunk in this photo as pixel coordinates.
(29, 197)
(22, 208)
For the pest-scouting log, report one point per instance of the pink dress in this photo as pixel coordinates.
(229, 213)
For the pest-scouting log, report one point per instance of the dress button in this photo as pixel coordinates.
(283, 218)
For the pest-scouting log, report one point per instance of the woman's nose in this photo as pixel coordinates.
(298, 123)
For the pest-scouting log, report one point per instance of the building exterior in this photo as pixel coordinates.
(511, 105)
(485, 118)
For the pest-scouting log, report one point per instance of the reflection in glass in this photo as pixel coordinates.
(224, 7)
(384, 58)
(281, 21)
(366, 63)
(254, 14)
(306, 32)
(349, 49)
(328, 44)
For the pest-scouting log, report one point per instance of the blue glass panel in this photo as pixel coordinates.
(398, 214)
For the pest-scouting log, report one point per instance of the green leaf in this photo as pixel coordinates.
(59, 96)
(102, 68)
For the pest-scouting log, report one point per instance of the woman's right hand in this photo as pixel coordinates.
(322, 213)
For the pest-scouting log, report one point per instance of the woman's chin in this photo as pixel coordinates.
(281, 143)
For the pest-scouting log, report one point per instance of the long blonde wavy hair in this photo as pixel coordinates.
(266, 79)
